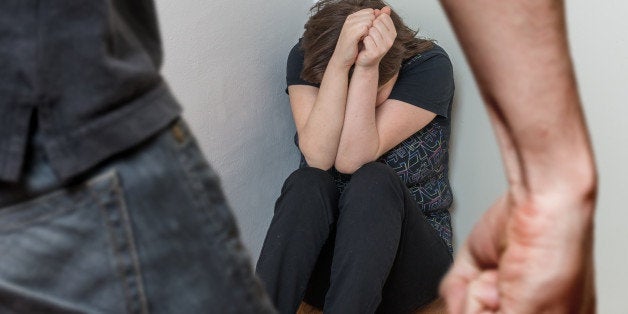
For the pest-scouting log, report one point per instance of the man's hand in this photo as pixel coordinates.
(526, 255)
(355, 28)
(380, 38)
(537, 239)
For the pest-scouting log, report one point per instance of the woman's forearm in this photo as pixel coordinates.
(319, 137)
(359, 140)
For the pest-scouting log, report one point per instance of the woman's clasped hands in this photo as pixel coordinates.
(366, 37)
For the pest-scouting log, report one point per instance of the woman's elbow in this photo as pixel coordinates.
(348, 166)
(321, 162)
(316, 157)
(348, 163)
(319, 165)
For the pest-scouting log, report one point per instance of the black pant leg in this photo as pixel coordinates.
(368, 231)
(421, 262)
(319, 279)
(304, 215)
(383, 246)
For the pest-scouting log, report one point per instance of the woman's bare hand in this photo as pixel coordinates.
(355, 28)
(381, 36)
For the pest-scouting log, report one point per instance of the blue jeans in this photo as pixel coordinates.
(149, 231)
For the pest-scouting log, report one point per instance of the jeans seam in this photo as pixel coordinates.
(121, 266)
(247, 292)
(132, 250)
(184, 143)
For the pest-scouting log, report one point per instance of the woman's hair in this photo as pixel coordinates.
(323, 29)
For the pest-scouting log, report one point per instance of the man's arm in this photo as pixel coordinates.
(538, 236)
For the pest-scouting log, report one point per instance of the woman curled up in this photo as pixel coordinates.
(363, 225)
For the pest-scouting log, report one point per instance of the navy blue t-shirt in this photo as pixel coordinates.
(421, 161)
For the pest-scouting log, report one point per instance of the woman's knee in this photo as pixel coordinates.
(309, 179)
(375, 176)
(306, 193)
(374, 185)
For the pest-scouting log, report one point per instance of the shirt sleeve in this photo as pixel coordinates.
(426, 81)
(294, 68)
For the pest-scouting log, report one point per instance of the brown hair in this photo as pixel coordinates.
(323, 29)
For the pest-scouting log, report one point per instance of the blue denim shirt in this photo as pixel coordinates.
(86, 73)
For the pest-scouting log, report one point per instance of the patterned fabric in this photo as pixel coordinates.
(421, 163)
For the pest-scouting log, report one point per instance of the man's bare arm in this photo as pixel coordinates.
(539, 235)
(519, 54)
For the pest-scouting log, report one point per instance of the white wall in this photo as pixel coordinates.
(600, 49)
(225, 61)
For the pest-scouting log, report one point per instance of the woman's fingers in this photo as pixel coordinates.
(369, 18)
(382, 37)
(369, 44)
(372, 28)
(366, 11)
(377, 37)
(362, 16)
(388, 23)
(355, 28)
(386, 26)
(358, 24)
(386, 10)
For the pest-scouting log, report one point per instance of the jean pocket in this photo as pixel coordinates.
(70, 251)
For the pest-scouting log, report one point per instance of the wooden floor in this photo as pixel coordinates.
(436, 307)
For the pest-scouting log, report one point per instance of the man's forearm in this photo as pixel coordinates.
(525, 74)
(538, 236)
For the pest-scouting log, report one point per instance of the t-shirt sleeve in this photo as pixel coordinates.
(294, 68)
(426, 81)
